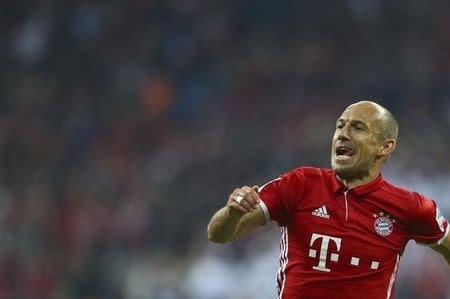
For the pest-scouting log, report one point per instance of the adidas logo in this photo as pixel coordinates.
(321, 212)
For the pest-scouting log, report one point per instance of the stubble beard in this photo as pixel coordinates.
(348, 173)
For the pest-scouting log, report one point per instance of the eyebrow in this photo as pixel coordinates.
(353, 122)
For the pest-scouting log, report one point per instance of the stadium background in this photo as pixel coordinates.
(125, 124)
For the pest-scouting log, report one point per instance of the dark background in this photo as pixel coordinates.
(125, 124)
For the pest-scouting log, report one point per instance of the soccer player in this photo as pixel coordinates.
(343, 229)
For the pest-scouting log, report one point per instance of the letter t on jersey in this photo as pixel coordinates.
(322, 266)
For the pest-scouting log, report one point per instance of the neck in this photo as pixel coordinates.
(358, 181)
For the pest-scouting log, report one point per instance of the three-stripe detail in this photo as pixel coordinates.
(392, 280)
(281, 274)
(321, 212)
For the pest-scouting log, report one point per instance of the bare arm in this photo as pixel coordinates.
(241, 214)
(444, 249)
(228, 225)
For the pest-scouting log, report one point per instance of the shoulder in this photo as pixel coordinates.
(405, 196)
(413, 204)
(311, 172)
(308, 173)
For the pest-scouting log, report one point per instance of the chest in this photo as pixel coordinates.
(346, 231)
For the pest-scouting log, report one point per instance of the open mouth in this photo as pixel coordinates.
(345, 151)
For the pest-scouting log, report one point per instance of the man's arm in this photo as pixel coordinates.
(241, 214)
(444, 249)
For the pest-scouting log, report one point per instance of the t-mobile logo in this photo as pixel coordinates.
(322, 266)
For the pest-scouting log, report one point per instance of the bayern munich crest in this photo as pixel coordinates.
(383, 226)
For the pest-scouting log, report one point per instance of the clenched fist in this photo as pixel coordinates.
(244, 200)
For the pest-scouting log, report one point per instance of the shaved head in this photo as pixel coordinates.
(387, 123)
(365, 137)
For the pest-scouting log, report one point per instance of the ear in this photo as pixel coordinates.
(388, 147)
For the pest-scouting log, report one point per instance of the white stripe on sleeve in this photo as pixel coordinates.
(445, 235)
(262, 204)
(265, 210)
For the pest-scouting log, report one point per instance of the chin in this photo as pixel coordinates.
(344, 172)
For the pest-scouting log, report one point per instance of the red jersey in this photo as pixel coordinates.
(340, 242)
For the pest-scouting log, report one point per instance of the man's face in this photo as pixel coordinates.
(355, 144)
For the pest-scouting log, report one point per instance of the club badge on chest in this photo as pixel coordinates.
(384, 223)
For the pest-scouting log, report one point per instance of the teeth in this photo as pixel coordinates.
(343, 148)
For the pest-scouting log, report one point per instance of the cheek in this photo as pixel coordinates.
(369, 152)
(333, 142)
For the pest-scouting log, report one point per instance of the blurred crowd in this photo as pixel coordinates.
(125, 124)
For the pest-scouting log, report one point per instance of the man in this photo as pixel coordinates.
(345, 229)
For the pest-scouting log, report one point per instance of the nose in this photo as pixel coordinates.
(343, 137)
(344, 134)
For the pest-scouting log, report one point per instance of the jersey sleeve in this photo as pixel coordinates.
(429, 226)
(279, 195)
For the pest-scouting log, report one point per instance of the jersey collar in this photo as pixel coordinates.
(361, 190)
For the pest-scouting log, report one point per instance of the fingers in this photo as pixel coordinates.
(234, 205)
(252, 197)
(244, 199)
(234, 202)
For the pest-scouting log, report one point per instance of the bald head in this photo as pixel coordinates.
(364, 139)
(386, 122)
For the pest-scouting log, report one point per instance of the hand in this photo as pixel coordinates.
(244, 200)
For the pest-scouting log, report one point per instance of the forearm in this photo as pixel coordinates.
(444, 251)
(223, 225)
(446, 256)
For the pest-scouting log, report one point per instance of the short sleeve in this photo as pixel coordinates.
(429, 226)
(278, 196)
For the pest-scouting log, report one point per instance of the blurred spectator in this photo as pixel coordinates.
(124, 125)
